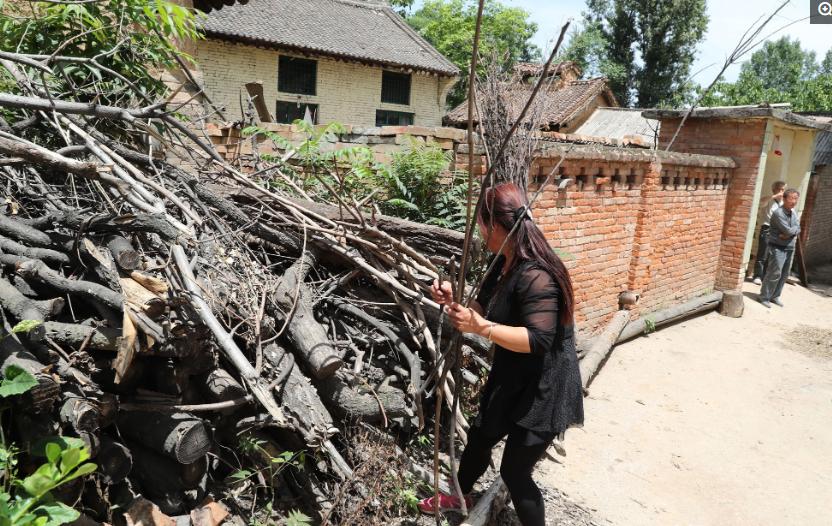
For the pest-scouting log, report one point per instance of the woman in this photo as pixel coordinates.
(533, 392)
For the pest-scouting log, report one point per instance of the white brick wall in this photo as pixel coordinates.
(348, 93)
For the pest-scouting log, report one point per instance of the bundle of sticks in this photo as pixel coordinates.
(179, 310)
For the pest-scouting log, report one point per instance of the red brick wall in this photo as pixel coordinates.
(818, 225)
(641, 226)
(743, 142)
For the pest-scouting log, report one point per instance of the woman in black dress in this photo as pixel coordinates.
(533, 392)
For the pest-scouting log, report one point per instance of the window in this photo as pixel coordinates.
(297, 75)
(393, 118)
(395, 88)
(289, 112)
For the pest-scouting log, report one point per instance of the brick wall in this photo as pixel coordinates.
(817, 224)
(348, 93)
(634, 222)
(743, 141)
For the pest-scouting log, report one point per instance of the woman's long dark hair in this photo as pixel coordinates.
(502, 205)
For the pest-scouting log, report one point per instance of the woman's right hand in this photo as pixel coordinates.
(442, 294)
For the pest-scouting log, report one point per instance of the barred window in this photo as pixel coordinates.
(288, 112)
(297, 75)
(393, 118)
(395, 88)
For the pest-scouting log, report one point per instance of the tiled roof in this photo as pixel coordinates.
(560, 104)
(366, 31)
(619, 123)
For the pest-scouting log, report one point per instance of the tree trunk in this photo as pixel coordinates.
(602, 345)
(733, 304)
(663, 317)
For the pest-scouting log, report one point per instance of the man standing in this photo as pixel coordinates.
(782, 237)
(766, 210)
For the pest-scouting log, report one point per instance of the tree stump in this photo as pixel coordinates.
(732, 304)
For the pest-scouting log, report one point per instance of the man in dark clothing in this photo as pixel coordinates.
(782, 238)
(766, 209)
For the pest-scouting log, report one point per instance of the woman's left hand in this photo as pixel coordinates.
(466, 319)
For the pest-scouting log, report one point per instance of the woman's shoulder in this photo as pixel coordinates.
(532, 275)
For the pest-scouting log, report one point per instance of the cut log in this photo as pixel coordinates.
(114, 460)
(663, 317)
(84, 417)
(298, 397)
(179, 436)
(141, 298)
(22, 308)
(602, 345)
(23, 233)
(123, 253)
(294, 301)
(488, 506)
(220, 386)
(151, 283)
(40, 398)
(76, 336)
(46, 254)
(101, 262)
(362, 402)
(733, 304)
(38, 271)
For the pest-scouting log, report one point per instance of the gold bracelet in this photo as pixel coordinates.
(491, 330)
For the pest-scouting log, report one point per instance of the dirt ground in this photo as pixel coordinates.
(713, 421)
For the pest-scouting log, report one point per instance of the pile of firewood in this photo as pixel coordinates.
(182, 311)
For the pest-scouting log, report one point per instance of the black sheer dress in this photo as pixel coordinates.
(539, 392)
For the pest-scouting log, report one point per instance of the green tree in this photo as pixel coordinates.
(644, 47)
(781, 65)
(826, 65)
(781, 71)
(449, 25)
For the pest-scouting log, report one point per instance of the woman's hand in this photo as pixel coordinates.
(466, 319)
(442, 294)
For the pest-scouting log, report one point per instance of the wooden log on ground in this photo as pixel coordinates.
(48, 255)
(141, 298)
(602, 345)
(298, 397)
(84, 417)
(38, 271)
(76, 336)
(362, 402)
(179, 436)
(488, 506)
(220, 386)
(101, 262)
(40, 398)
(11, 227)
(308, 337)
(670, 315)
(123, 253)
(22, 308)
(107, 223)
(733, 304)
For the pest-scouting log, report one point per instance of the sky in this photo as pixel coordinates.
(728, 21)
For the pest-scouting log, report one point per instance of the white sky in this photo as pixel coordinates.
(729, 19)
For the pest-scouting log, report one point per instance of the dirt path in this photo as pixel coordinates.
(714, 421)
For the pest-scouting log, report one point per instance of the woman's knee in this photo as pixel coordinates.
(514, 477)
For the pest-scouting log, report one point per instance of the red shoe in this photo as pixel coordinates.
(446, 503)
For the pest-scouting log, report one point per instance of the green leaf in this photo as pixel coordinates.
(69, 459)
(38, 484)
(56, 513)
(16, 381)
(240, 474)
(53, 452)
(83, 469)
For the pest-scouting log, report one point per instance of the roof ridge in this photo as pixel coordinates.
(414, 35)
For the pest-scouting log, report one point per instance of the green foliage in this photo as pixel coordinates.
(644, 47)
(296, 518)
(781, 71)
(29, 502)
(16, 381)
(130, 37)
(450, 24)
(649, 325)
(414, 189)
(408, 499)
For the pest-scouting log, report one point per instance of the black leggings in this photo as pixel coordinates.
(515, 469)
